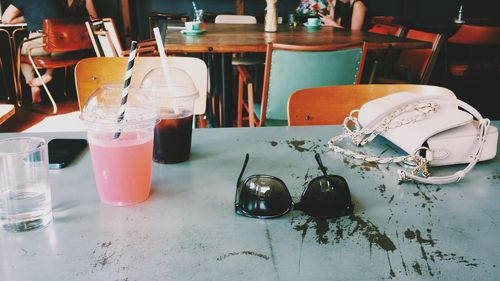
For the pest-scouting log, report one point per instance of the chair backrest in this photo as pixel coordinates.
(92, 73)
(65, 35)
(387, 29)
(104, 37)
(476, 35)
(235, 19)
(330, 105)
(422, 61)
(291, 67)
(383, 19)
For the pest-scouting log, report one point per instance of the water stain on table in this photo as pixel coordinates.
(101, 255)
(317, 146)
(337, 230)
(250, 253)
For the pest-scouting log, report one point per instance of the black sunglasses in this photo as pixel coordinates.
(264, 196)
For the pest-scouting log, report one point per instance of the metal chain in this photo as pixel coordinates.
(361, 136)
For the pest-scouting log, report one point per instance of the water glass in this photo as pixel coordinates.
(25, 201)
(198, 15)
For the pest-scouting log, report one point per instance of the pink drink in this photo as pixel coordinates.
(122, 167)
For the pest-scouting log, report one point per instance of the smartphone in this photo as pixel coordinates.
(63, 151)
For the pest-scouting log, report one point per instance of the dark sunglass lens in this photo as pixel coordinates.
(323, 200)
(265, 197)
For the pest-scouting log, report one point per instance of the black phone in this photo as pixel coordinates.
(63, 151)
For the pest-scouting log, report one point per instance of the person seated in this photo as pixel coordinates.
(79, 9)
(348, 14)
(32, 13)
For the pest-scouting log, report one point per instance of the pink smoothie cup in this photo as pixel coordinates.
(122, 165)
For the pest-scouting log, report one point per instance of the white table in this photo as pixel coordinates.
(187, 229)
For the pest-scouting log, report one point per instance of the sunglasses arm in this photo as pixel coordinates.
(244, 167)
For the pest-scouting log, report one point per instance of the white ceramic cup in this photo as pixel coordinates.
(192, 25)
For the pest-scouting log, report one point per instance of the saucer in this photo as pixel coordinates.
(193, 32)
(312, 27)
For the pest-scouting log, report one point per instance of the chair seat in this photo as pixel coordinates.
(269, 122)
(56, 61)
(247, 61)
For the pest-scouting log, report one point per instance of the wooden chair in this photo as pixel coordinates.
(478, 47)
(388, 29)
(292, 67)
(59, 35)
(92, 73)
(242, 64)
(383, 19)
(104, 37)
(414, 65)
(161, 19)
(330, 105)
(235, 19)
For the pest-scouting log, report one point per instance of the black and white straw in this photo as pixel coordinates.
(126, 86)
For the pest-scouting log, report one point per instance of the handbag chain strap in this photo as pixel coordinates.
(361, 136)
(420, 172)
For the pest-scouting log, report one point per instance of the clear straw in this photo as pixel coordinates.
(164, 63)
(163, 55)
(195, 10)
(126, 86)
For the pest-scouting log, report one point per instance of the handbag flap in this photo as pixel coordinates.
(411, 136)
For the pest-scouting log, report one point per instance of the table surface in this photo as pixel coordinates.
(6, 111)
(187, 229)
(12, 24)
(229, 38)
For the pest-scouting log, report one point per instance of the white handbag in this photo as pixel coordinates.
(435, 129)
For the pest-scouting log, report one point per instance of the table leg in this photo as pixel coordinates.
(226, 89)
(12, 89)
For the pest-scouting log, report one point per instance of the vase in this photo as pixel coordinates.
(271, 19)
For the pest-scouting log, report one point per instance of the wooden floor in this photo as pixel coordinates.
(27, 116)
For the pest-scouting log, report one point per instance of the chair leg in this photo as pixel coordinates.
(240, 101)
(251, 115)
(19, 92)
(54, 105)
(65, 86)
(373, 72)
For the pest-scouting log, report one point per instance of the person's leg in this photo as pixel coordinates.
(28, 70)
(29, 74)
(46, 77)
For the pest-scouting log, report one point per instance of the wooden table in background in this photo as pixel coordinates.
(6, 111)
(225, 39)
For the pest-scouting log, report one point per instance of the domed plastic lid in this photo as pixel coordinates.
(180, 84)
(174, 98)
(102, 108)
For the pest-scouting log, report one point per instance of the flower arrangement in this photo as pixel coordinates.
(312, 7)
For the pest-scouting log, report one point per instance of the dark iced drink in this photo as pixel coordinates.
(172, 139)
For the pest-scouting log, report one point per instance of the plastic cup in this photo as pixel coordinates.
(172, 136)
(122, 166)
(25, 201)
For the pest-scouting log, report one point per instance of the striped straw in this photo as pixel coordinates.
(126, 86)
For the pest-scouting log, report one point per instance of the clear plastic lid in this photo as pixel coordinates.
(179, 83)
(173, 98)
(103, 108)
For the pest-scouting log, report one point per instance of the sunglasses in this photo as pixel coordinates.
(265, 196)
